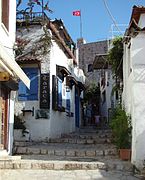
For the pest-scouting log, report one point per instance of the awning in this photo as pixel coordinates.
(70, 81)
(81, 86)
(61, 72)
(10, 65)
(100, 62)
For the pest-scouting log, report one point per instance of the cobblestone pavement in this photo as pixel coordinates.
(65, 175)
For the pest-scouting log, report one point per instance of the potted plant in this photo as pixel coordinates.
(18, 123)
(20, 131)
(121, 129)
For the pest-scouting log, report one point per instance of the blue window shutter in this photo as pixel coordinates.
(24, 93)
(33, 92)
(68, 100)
(59, 93)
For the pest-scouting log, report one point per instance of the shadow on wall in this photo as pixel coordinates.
(139, 74)
(138, 152)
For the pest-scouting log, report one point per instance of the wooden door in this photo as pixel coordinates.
(3, 118)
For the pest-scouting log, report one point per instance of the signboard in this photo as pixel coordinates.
(44, 91)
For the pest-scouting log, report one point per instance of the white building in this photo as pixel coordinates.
(10, 72)
(53, 105)
(93, 61)
(108, 98)
(134, 82)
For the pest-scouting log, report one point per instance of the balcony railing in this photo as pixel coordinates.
(31, 17)
(39, 17)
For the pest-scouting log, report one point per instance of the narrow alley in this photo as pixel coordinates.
(70, 108)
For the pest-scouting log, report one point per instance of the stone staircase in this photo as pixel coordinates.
(87, 149)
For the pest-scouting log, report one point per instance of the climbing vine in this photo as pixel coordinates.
(115, 57)
(41, 46)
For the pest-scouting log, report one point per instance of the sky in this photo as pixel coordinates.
(97, 23)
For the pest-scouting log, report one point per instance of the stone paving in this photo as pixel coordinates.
(65, 175)
(87, 154)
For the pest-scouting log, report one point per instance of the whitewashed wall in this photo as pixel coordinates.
(134, 94)
(138, 99)
(109, 83)
(57, 123)
(7, 40)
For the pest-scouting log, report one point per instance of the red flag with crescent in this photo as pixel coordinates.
(76, 13)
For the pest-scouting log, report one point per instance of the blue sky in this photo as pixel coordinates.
(96, 21)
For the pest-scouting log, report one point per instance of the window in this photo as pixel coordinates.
(103, 97)
(57, 94)
(68, 96)
(25, 94)
(90, 68)
(5, 13)
(117, 95)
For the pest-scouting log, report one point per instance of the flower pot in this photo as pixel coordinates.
(125, 154)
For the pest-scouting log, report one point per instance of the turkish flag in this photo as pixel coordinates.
(76, 13)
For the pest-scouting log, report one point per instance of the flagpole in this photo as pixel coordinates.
(81, 27)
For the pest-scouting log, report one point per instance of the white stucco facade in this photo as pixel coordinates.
(58, 122)
(107, 101)
(9, 66)
(133, 91)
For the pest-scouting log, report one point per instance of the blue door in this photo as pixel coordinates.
(77, 107)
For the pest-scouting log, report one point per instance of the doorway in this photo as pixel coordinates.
(3, 118)
(77, 107)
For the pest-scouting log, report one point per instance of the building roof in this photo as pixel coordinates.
(100, 62)
(58, 23)
(134, 28)
(58, 30)
(100, 47)
(136, 12)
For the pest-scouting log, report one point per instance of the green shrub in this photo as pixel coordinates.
(121, 128)
(18, 123)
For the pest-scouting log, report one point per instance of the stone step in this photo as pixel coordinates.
(66, 165)
(2, 158)
(68, 158)
(65, 150)
(87, 136)
(95, 131)
(5, 156)
(81, 141)
(69, 141)
(3, 153)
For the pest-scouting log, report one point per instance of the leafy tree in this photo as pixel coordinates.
(115, 57)
(92, 94)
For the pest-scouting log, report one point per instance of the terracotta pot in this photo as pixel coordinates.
(125, 154)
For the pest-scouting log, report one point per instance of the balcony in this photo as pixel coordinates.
(31, 17)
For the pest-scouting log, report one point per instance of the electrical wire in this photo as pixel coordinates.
(112, 18)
